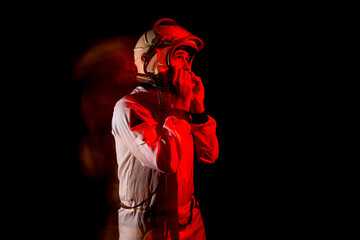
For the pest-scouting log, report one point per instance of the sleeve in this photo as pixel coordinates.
(155, 146)
(205, 140)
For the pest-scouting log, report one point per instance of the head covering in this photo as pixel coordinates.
(153, 50)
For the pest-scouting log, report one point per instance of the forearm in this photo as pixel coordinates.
(205, 139)
(176, 129)
(155, 146)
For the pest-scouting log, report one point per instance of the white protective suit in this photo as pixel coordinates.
(150, 146)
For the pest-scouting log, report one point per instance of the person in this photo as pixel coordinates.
(159, 129)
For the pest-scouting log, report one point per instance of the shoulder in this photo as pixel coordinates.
(134, 98)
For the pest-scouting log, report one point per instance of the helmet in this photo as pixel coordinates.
(153, 51)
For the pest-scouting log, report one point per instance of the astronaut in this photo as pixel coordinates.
(160, 129)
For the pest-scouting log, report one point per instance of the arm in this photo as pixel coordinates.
(203, 126)
(156, 147)
(205, 139)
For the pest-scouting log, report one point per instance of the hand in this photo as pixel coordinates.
(181, 81)
(198, 95)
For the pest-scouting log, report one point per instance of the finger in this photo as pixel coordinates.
(194, 82)
(188, 78)
(181, 77)
(193, 79)
(198, 81)
(175, 76)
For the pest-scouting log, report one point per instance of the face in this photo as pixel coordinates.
(180, 59)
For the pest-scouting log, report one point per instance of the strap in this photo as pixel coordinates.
(183, 226)
(141, 203)
(172, 199)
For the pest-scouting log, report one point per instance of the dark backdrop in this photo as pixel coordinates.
(251, 66)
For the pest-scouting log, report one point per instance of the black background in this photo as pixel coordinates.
(254, 71)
